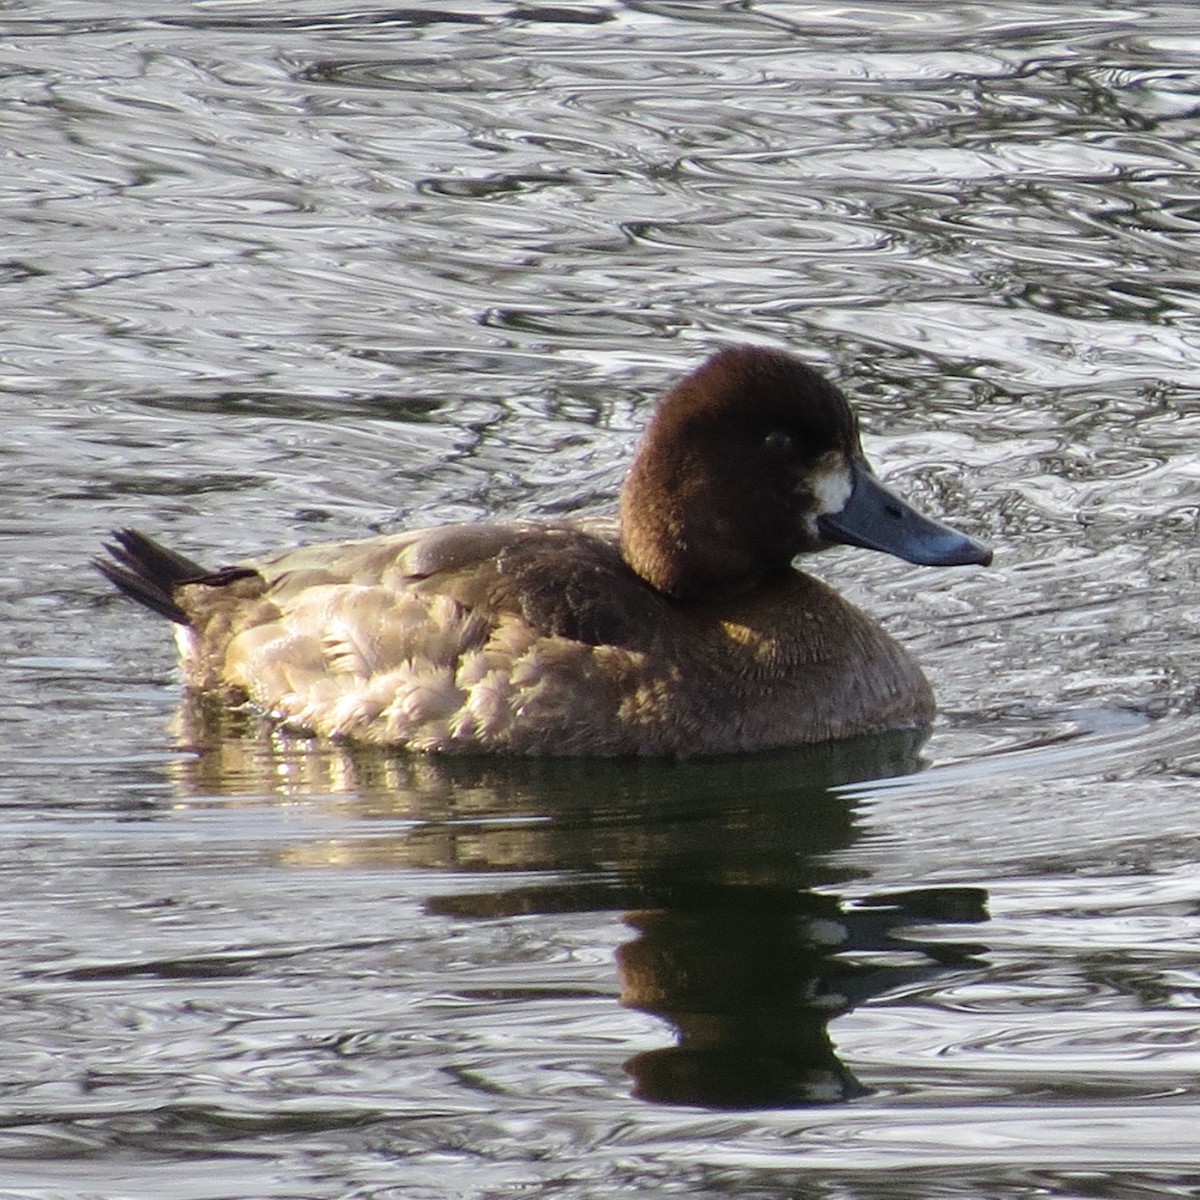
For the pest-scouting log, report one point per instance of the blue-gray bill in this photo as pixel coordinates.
(876, 519)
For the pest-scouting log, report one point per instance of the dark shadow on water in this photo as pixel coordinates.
(714, 863)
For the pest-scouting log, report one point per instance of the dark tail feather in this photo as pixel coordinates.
(147, 572)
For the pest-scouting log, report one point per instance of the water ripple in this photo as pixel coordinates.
(287, 276)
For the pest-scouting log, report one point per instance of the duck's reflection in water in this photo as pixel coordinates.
(715, 865)
(751, 985)
(749, 976)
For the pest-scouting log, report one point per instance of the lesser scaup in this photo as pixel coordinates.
(680, 629)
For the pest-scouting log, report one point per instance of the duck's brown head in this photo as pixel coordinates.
(749, 461)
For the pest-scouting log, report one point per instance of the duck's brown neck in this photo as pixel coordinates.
(676, 538)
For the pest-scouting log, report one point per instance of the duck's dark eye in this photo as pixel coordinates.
(778, 443)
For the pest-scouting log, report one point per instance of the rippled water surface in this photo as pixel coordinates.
(283, 273)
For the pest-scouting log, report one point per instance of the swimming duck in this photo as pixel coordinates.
(680, 629)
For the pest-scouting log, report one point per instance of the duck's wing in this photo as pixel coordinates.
(564, 581)
(393, 593)
(441, 638)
